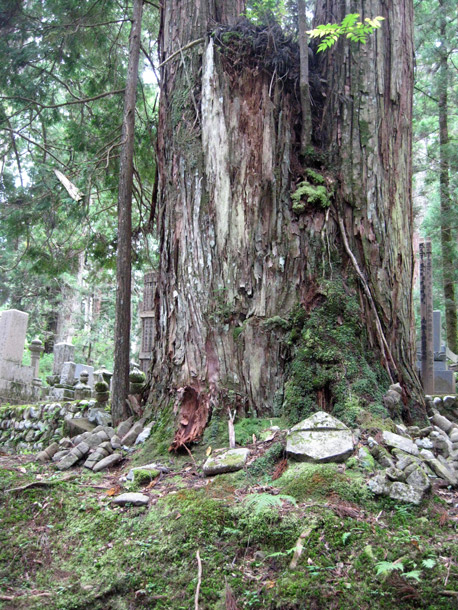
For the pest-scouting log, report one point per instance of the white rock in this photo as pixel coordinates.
(141, 438)
(135, 499)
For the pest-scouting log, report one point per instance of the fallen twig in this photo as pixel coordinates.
(41, 484)
(299, 545)
(199, 580)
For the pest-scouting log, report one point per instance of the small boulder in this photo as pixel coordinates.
(99, 416)
(134, 499)
(229, 460)
(405, 493)
(125, 426)
(141, 438)
(130, 438)
(443, 471)
(152, 469)
(442, 422)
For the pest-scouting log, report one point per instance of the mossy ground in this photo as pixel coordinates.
(66, 547)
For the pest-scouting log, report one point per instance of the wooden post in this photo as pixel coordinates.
(426, 313)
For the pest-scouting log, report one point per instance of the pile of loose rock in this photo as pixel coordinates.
(414, 458)
(405, 463)
(99, 447)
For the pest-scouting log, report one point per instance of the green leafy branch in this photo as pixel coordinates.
(354, 30)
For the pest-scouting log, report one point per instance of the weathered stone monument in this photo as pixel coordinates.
(16, 380)
(147, 318)
(63, 352)
(444, 379)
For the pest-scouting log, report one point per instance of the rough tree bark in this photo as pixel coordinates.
(120, 383)
(235, 258)
(366, 127)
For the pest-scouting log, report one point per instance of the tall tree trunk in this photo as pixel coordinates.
(120, 384)
(238, 261)
(447, 246)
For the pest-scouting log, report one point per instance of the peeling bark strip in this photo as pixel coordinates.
(193, 415)
(233, 254)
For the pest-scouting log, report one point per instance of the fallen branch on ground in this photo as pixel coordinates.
(199, 580)
(41, 484)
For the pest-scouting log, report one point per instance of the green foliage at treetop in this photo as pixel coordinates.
(350, 27)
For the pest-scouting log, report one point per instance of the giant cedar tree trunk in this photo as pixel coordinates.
(235, 259)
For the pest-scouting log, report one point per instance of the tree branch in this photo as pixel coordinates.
(21, 135)
(185, 48)
(71, 103)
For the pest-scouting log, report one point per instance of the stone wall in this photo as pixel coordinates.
(31, 428)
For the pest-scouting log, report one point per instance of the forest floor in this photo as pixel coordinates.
(313, 538)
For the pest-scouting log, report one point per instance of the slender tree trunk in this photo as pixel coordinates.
(120, 384)
(238, 263)
(447, 246)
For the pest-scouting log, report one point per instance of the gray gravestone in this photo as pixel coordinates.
(67, 375)
(63, 352)
(13, 328)
(444, 382)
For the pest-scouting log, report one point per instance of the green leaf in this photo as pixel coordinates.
(414, 574)
(384, 568)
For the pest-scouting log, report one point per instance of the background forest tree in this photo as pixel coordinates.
(435, 151)
(62, 91)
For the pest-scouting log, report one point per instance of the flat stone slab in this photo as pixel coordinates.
(400, 442)
(75, 426)
(320, 438)
(135, 499)
(230, 460)
(108, 461)
(442, 471)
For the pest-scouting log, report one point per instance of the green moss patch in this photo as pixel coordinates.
(332, 367)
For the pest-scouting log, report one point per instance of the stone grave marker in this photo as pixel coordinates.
(63, 352)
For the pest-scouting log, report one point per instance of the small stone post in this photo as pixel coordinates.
(36, 349)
